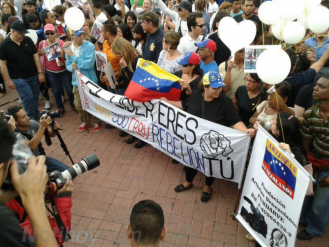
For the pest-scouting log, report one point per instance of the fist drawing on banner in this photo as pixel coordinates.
(214, 144)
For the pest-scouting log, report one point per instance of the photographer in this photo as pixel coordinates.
(33, 132)
(30, 187)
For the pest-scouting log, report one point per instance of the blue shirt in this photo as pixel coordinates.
(209, 67)
(319, 51)
(232, 15)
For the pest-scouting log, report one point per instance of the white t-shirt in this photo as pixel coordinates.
(186, 44)
(212, 7)
(101, 18)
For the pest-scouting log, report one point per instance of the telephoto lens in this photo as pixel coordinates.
(87, 163)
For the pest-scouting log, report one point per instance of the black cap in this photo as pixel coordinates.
(185, 5)
(138, 28)
(149, 16)
(19, 27)
(30, 2)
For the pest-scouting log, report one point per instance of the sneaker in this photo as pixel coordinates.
(97, 127)
(83, 127)
(304, 235)
(61, 111)
(47, 104)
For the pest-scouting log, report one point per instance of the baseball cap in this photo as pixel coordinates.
(213, 79)
(185, 5)
(19, 26)
(207, 43)
(190, 58)
(78, 32)
(49, 27)
(30, 2)
(150, 16)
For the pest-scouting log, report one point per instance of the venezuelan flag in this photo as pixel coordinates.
(151, 82)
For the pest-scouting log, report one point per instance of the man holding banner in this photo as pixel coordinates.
(315, 131)
(210, 104)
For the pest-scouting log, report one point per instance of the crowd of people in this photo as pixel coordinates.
(181, 38)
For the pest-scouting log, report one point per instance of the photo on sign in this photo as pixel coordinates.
(252, 53)
(96, 31)
(53, 51)
(100, 61)
(60, 31)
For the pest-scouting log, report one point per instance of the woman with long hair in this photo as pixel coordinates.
(8, 8)
(169, 56)
(128, 56)
(211, 104)
(58, 12)
(125, 32)
(87, 26)
(55, 70)
(130, 19)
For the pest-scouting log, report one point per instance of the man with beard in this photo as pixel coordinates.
(248, 8)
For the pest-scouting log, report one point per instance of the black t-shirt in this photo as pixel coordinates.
(254, 18)
(11, 233)
(299, 156)
(247, 106)
(304, 97)
(221, 110)
(222, 53)
(19, 58)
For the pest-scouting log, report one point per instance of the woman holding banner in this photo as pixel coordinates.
(209, 103)
(128, 56)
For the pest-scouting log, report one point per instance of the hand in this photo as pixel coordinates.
(185, 85)
(41, 78)
(103, 77)
(31, 184)
(45, 122)
(74, 66)
(68, 187)
(85, 8)
(116, 83)
(311, 55)
(251, 132)
(42, 52)
(69, 52)
(11, 84)
(230, 64)
(12, 124)
(56, 125)
(324, 182)
(164, 99)
(256, 126)
(285, 147)
(122, 62)
(300, 48)
(67, 44)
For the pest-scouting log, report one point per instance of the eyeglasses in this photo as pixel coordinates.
(186, 65)
(49, 34)
(201, 26)
(180, 9)
(249, 80)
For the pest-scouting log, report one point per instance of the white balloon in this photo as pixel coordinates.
(303, 18)
(312, 4)
(33, 35)
(74, 18)
(293, 32)
(236, 35)
(277, 28)
(291, 9)
(268, 13)
(318, 20)
(273, 65)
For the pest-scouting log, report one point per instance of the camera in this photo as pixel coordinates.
(53, 114)
(271, 90)
(87, 163)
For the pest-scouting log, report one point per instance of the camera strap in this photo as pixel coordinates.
(58, 219)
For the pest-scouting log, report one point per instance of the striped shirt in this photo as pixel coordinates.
(315, 127)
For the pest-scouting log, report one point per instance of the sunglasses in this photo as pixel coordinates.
(49, 34)
(201, 26)
(186, 65)
(180, 9)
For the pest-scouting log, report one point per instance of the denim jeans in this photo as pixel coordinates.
(57, 81)
(54, 165)
(315, 212)
(28, 90)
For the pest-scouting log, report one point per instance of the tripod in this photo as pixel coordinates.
(56, 131)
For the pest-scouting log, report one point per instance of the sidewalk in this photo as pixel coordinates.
(103, 198)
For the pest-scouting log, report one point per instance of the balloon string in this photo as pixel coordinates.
(277, 102)
(307, 37)
(317, 47)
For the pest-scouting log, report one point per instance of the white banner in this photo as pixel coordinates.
(215, 150)
(273, 193)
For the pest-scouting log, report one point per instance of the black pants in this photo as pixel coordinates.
(44, 90)
(190, 174)
(2, 85)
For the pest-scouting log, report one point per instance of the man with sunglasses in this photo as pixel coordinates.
(196, 26)
(180, 18)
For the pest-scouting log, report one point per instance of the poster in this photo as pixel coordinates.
(251, 55)
(273, 193)
(100, 61)
(53, 51)
(96, 31)
(212, 149)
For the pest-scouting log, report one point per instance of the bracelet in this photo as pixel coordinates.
(40, 73)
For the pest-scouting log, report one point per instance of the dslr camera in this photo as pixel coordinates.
(52, 115)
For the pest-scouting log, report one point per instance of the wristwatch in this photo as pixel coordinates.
(40, 73)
